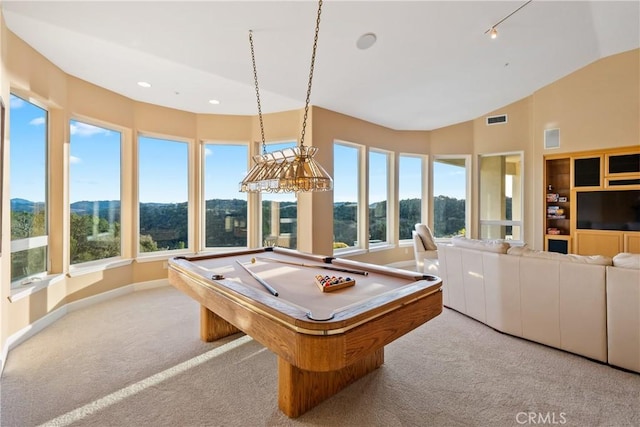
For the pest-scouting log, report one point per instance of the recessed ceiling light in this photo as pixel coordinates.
(366, 41)
(214, 101)
(144, 84)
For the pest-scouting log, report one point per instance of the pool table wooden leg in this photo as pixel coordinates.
(300, 390)
(214, 327)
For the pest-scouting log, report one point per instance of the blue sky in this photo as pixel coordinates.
(94, 163)
(28, 125)
(95, 158)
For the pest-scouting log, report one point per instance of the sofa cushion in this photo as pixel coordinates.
(426, 236)
(627, 260)
(496, 246)
(518, 250)
(582, 259)
(543, 254)
(590, 259)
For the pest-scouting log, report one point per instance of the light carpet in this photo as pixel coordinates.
(137, 360)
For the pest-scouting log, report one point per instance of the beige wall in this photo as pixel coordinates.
(595, 107)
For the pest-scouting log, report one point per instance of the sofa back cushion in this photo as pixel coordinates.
(627, 260)
(496, 246)
(428, 242)
(581, 259)
(518, 250)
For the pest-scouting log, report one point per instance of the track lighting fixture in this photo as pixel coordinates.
(493, 30)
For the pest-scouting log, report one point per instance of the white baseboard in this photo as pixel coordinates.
(29, 331)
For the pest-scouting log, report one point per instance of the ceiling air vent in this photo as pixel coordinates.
(496, 120)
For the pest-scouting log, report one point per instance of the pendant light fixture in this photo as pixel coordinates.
(292, 169)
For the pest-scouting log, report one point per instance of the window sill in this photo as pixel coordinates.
(96, 266)
(347, 252)
(161, 256)
(23, 291)
(381, 247)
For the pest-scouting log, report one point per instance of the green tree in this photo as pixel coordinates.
(449, 216)
(410, 215)
(93, 238)
(147, 244)
(27, 224)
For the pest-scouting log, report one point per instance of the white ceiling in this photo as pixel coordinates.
(432, 66)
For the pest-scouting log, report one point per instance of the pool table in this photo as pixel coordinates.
(324, 340)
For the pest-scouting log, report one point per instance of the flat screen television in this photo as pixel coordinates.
(608, 210)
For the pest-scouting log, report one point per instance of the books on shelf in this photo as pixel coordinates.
(556, 198)
(555, 212)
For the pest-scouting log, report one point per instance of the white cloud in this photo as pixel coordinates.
(74, 160)
(207, 152)
(37, 121)
(84, 129)
(15, 102)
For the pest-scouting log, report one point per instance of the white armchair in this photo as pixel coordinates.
(424, 247)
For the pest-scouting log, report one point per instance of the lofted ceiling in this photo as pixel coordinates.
(431, 66)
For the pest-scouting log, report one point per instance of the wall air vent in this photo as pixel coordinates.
(496, 120)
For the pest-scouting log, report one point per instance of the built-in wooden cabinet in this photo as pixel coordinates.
(557, 204)
(622, 170)
(604, 242)
(631, 242)
(592, 202)
(598, 242)
(587, 172)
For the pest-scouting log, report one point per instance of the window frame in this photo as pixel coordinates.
(518, 223)
(424, 190)
(468, 192)
(191, 179)
(36, 242)
(390, 199)
(98, 264)
(202, 214)
(294, 143)
(361, 197)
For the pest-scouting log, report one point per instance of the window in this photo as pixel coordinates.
(163, 191)
(501, 196)
(28, 191)
(378, 197)
(346, 195)
(225, 207)
(450, 189)
(94, 192)
(280, 211)
(410, 188)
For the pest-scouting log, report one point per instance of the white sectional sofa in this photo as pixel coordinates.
(623, 311)
(564, 301)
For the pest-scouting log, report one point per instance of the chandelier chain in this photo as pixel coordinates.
(313, 60)
(291, 169)
(255, 79)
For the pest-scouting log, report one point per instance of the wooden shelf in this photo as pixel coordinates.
(557, 187)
